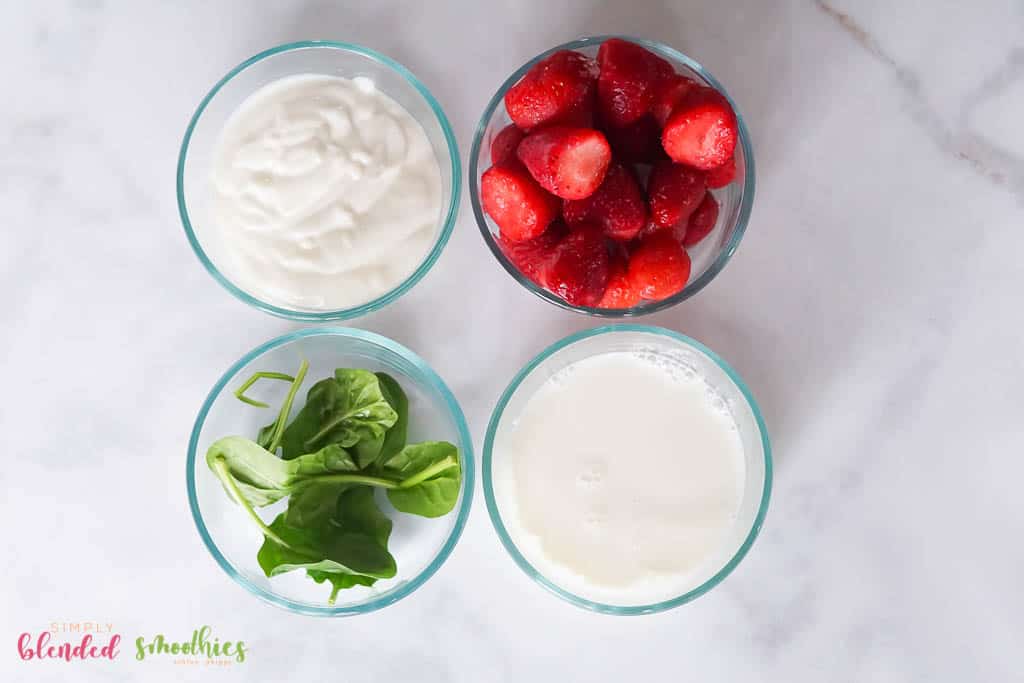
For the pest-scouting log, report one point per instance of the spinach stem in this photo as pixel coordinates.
(286, 408)
(428, 472)
(221, 468)
(382, 482)
(240, 391)
(349, 479)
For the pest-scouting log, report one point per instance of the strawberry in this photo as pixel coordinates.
(649, 229)
(629, 77)
(674, 191)
(637, 143)
(581, 115)
(617, 206)
(659, 266)
(679, 230)
(668, 95)
(702, 221)
(557, 89)
(520, 207)
(579, 271)
(620, 292)
(570, 162)
(720, 176)
(702, 129)
(503, 145)
(533, 257)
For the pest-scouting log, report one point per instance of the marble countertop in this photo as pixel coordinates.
(874, 308)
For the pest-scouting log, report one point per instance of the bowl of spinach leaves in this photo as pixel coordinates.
(330, 471)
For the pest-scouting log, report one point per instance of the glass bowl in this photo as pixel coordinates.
(680, 351)
(708, 258)
(308, 57)
(419, 545)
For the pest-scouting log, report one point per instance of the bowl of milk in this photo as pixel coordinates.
(318, 181)
(627, 469)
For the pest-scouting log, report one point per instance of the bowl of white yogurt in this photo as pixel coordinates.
(318, 181)
(627, 469)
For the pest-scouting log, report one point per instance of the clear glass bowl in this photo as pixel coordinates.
(419, 545)
(682, 349)
(708, 258)
(308, 57)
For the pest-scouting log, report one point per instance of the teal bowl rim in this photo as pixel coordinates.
(443, 236)
(467, 473)
(742, 218)
(510, 546)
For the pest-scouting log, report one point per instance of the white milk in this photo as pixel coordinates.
(621, 478)
(326, 193)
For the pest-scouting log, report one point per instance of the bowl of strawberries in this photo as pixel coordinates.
(612, 176)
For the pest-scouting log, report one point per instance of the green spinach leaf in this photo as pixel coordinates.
(435, 497)
(339, 582)
(330, 459)
(395, 438)
(429, 475)
(314, 505)
(368, 450)
(246, 467)
(390, 442)
(266, 434)
(325, 549)
(347, 441)
(356, 511)
(343, 410)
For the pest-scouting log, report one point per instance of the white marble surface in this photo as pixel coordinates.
(874, 307)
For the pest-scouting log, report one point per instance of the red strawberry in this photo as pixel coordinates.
(701, 131)
(620, 292)
(649, 229)
(555, 90)
(617, 205)
(674, 191)
(617, 250)
(570, 162)
(659, 266)
(520, 207)
(668, 95)
(581, 115)
(702, 221)
(629, 78)
(533, 257)
(720, 176)
(638, 143)
(579, 272)
(679, 230)
(503, 145)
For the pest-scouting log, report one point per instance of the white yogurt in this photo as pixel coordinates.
(326, 193)
(621, 479)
